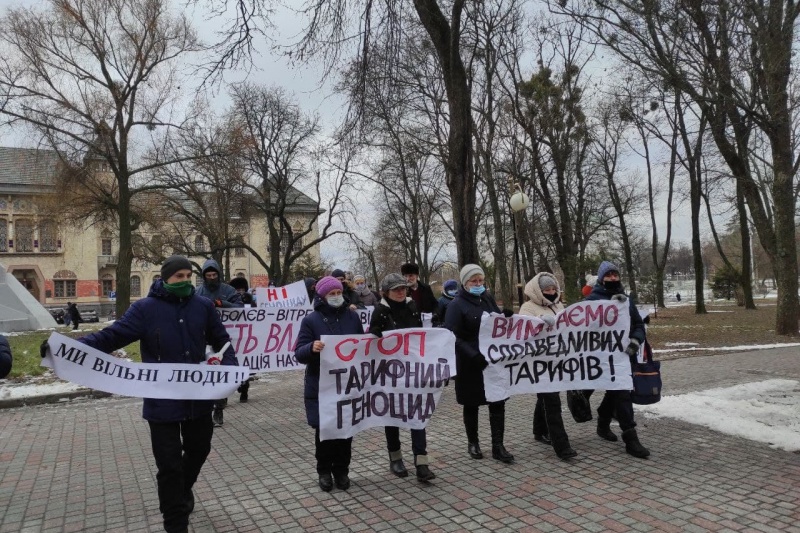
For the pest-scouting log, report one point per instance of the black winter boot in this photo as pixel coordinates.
(217, 417)
(497, 423)
(424, 473)
(244, 390)
(604, 429)
(396, 464)
(633, 446)
(474, 450)
(471, 427)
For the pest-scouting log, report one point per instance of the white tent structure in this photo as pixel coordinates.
(19, 310)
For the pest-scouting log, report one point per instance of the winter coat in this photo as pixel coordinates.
(366, 297)
(637, 331)
(463, 318)
(441, 309)
(226, 294)
(169, 329)
(5, 357)
(386, 318)
(74, 314)
(538, 305)
(425, 300)
(351, 296)
(325, 320)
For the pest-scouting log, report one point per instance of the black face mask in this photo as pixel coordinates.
(551, 297)
(212, 284)
(614, 287)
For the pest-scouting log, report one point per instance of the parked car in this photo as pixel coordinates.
(89, 315)
(57, 313)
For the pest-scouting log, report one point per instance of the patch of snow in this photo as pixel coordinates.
(681, 344)
(763, 411)
(719, 311)
(742, 348)
(30, 390)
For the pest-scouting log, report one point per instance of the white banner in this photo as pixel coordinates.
(264, 339)
(584, 350)
(76, 362)
(366, 316)
(395, 380)
(292, 295)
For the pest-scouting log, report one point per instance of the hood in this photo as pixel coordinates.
(210, 264)
(533, 291)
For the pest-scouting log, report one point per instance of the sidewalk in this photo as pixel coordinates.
(87, 466)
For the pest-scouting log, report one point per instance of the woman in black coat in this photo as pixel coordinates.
(463, 318)
(398, 311)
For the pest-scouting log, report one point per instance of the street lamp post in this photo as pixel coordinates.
(519, 202)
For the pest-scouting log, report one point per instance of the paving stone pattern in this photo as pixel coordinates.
(87, 466)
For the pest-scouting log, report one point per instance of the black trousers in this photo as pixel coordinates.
(547, 419)
(333, 456)
(180, 449)
(419, 440)
(616, 403)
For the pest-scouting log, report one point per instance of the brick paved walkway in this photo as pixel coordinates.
(87, 466)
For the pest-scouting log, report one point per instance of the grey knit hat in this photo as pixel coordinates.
(467, 271)
(392, 281)
(547, 282)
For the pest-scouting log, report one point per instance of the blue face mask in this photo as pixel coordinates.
(452, 293)
(477, 291)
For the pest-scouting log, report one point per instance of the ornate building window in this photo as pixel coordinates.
(3, 235)
(198, 244)
(107, 285)
(65, 284)
(48, 236)
(23, 236)
(136, 286)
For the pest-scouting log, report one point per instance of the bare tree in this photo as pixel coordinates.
(97, 79)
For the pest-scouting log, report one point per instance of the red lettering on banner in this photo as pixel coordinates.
(386, 351)
(608, 318)
(352, 353)
(499, 329)
(279, 341)
(575, 317)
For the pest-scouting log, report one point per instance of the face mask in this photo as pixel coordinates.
(477, 291)
(452, 293)
(551, 297)
(212, 284)
(180, 289)
(360, 286)
(614, 287)
(335, 301)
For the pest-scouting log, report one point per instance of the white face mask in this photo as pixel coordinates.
(335, 301)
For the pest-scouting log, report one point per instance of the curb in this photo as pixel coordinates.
(89, 394)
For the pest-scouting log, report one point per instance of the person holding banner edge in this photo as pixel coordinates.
(463, 318)
(398, 311)
(331, 316)
(609, 287)
(543, 294)
(173, 325)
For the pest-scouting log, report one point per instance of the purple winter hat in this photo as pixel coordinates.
(328, 284)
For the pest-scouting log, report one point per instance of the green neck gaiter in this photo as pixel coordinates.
(180, 289)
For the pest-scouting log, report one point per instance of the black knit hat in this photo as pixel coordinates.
(172, 264)
(409, 268)
(239, 283)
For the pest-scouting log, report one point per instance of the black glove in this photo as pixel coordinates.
(508, 313)
(632, 349)
(620, 298)
(44, 348)
(482, 363)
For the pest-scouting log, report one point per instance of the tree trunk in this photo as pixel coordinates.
(746, 270)
(125, 256)
(697, 248)
(459, 172)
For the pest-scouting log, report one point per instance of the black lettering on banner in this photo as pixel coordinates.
(73, 355)
(400, 405)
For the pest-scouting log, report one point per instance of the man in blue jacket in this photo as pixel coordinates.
(609, 287)
(173, 325)
(222, 295)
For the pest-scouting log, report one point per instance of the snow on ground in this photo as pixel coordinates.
(763, 411)
(742, 348)
(681, 344)
(30, 390)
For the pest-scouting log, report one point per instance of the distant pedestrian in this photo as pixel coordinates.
(678, 296)
(5, 357)
(74, 315)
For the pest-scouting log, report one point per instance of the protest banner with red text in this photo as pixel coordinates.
(394, 380)
(585, 349)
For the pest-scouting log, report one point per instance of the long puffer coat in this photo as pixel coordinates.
(538, 305)
(463, 318)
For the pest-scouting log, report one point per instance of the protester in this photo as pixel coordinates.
(222, 295)
(398, 311)
(421, 293)
(331, 316)
(463, 318)
(311, 289)
(543, 294)
(449, 292)
(617, 403)
(5, 357)
(67, 316)
(365, 296)
(173, 325)
(243, 289)
(350, 295)
(74, 315)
